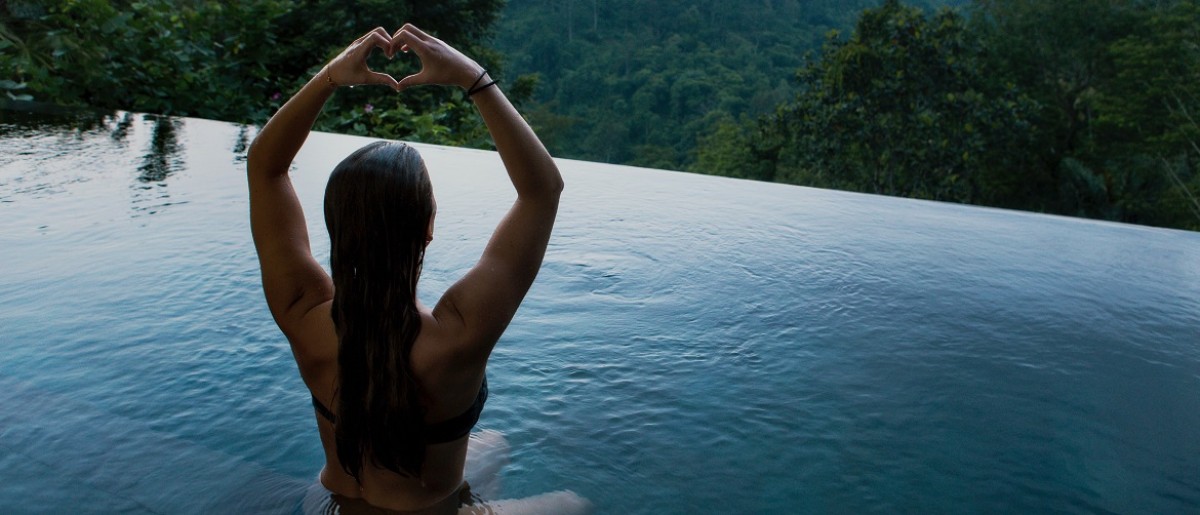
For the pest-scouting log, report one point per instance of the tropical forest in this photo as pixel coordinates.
(1086, 108)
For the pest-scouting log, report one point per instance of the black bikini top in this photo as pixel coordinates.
(438, 432)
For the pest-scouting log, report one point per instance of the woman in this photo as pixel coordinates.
(396, 386)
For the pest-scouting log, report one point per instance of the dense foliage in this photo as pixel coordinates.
(234, 61)
(635, 81)
(903, 107)
(1082, 108)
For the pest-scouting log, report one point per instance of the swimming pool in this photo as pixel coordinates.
(693, 344)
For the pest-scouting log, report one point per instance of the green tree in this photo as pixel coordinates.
(1146, 127)
(898, 108)
(237, 61)
(1114, 82)
(1084, 108)
(661, 72)
(201, 58)
(1057, 53)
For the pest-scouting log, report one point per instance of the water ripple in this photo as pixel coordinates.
(743, 347)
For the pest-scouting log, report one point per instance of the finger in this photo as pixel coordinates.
(376, 40)
(415, 31)
(368, 34)
(382, 79)
(405, 41)
(387, 50)
(415, 79)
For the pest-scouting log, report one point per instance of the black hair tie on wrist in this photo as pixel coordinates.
(481, 88)
(477, 79)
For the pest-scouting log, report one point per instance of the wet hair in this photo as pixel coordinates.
(378, 205)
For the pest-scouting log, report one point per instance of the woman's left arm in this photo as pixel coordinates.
(293, 281)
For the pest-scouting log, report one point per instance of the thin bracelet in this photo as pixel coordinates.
(476, 83)
(329, 79)
(481, 88)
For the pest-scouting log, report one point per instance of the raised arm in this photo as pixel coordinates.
(479, 306)
(293, 281)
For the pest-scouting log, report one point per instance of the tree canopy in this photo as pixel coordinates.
(633, 81)
(1081, 108)
(235, 61)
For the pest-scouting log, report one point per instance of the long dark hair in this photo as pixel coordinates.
(378, 205)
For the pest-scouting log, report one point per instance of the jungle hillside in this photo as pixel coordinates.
(1085, 108)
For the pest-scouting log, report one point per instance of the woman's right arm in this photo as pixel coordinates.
(293, 281)
(479, 306)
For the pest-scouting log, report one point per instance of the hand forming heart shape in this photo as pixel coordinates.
(440, 63)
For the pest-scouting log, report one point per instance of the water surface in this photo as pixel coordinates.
(693, 344)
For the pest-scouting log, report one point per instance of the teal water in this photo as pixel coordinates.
(693, 344)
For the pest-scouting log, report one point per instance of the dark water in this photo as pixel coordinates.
(693, 344)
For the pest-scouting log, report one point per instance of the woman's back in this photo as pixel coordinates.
(451, 390)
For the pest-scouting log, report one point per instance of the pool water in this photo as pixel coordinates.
(693, 344)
